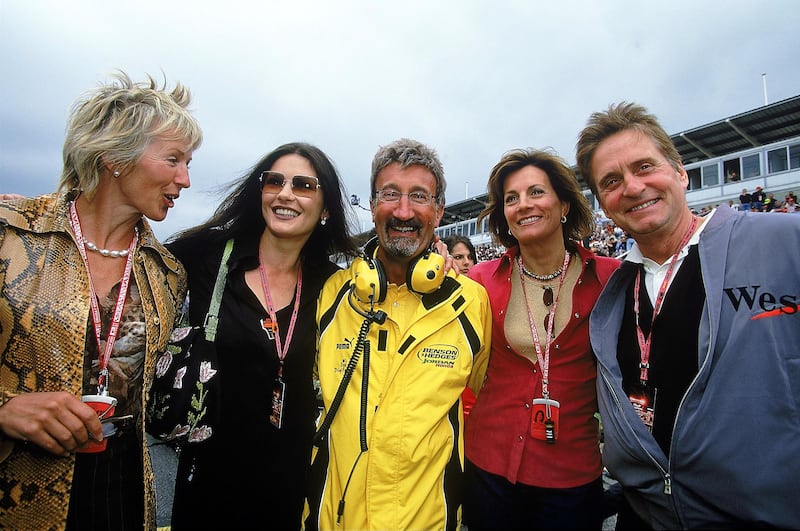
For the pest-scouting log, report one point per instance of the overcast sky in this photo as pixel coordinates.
(470, 78)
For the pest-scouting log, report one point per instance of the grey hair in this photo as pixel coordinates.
(407, 153)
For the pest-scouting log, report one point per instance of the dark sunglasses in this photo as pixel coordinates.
(272, 182)
(547, 299)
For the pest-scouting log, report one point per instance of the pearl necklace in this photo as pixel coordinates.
(107, 252)
(540, 278)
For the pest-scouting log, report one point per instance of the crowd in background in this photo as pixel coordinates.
(759, 201)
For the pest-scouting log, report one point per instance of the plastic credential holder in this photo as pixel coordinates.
(544, 419)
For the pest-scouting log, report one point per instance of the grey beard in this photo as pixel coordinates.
(402, 247)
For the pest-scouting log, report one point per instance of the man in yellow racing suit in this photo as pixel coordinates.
(390, 445)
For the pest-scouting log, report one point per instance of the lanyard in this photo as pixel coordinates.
(102, 379)
(282, 351)
(644, 343)
(544, 361)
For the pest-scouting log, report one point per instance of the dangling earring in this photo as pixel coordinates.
(509, 232)
(116, 173)
(323, 221)
(563, 219)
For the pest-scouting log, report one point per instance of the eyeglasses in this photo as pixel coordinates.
(272, 182)
(389, 195)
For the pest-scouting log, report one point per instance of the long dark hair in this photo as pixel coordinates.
(239, 214)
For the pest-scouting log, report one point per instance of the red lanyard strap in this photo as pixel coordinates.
(102, 379)
(282, 350)
(644, 342)
(544, 357)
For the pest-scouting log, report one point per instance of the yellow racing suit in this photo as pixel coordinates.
(402, 470)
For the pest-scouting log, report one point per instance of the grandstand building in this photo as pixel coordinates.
(756, 148)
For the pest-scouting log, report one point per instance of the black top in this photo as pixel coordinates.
(673, 350)
(250, 473)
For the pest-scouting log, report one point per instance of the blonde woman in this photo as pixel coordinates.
(88, 298)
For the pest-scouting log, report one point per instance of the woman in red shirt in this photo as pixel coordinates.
(532, 438)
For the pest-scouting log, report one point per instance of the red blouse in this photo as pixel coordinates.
(498, 436)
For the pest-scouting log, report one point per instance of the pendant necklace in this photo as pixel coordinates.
(547, 296)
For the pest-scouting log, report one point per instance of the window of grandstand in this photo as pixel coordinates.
(777, 161)
(695, 181)
(732, 171)
(751, 165)
(794, 156)
(711, 175)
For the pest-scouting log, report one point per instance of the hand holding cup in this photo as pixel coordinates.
(57, 422)
(105, 406)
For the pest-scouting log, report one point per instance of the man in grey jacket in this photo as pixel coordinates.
(697, 338)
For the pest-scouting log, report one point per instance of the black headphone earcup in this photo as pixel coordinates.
(426, 273)
(369, 280)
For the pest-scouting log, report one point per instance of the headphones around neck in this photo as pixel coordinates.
(424, 275)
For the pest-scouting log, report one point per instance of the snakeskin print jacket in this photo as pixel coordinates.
(44, 307)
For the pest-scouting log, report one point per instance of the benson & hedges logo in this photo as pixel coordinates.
(439, 355)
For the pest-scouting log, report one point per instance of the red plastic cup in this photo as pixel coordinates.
(105, 407)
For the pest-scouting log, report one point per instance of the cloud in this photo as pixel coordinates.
(471, 78)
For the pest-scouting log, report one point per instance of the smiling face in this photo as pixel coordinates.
(286, 214)
(156, 180)
(638, 188)
(532, 208)
(405, 229)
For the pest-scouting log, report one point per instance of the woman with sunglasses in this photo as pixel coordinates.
(286, 217)
(532, 440)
